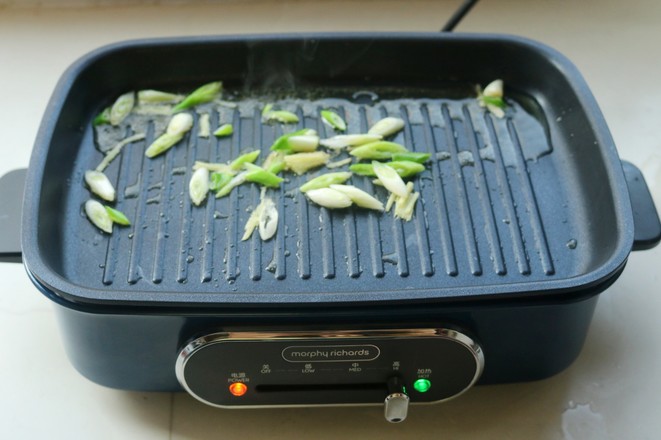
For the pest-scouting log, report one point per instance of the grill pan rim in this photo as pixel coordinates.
(50, 280)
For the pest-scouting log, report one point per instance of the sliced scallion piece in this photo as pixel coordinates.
(201, 95)
(282, 143)
(349, 140)
(114, 151)
(121, 108)
(236, 181)
(379, 150)
(157, 97)
(333, 120)
(325, 181)
(390, 179)
(410, 156)
(268, 219)
(178, 126)
(250, 157)
(387, 126)
(100, 185)
(204, 128)
(329, 198)
(283, 116)
(103, 117)
(492, 98)
(224, 130)
(198, 187)
(359, 197)
(98, 215)
(218, 181)
(404, 168)
(118, 216)
(259, 175)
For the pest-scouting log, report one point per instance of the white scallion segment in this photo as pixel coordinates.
(121, 108)
(390, 179)
(204, 129)
(180, 123)
(268, 219)
(283, 116)
(158, 97)
(391, 201)
(387, 126)
(302, 144)
(359, 197)
(349, 140)
(494, 89)
(114, 151)
(329, 198)
(198, 186)
(100, 185)
(98, 215)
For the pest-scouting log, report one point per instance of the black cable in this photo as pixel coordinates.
(458, 15)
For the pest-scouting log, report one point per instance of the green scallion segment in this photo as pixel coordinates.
(118, 216)
(259, 175)
(380, 150)
(325, 181)
(103, 117)
(282, 143)
(334, 120)
(239, 162)
(411, 157)
(218, 181)
(224, 130)
(282, 116)
(201, 95)
(404, 168)
(157, 97)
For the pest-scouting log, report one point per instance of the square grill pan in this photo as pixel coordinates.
(531, 205)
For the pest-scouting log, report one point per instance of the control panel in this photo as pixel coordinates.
(395, 367)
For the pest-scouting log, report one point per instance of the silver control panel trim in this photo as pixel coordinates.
(341, 335)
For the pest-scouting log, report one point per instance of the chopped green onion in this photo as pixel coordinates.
(224, 130)
(359, 197)
(236, 181)
(118, 216)
(387, 126)
(282, 116)
(180, 124)
(204, 94)
(157, 97)
(333, 120)
(282, 143)
(121, 108)
(379, 150)
(494, 89)
(268, 219)
(250, 157)
(403, 168)
(303, 162)
(390, 179)
(100, 185)
(492, 98)
(162, 144)
(411, 157)
(98, 215)
(303, 144)
(267, 109)
(325, 180)
(198, 186)
(349, 140)
(218, 181)
(103, 117)
(329, 198)
(259, 175)
(339, 163)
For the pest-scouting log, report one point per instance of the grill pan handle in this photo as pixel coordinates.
(11, 200)
(647, 228)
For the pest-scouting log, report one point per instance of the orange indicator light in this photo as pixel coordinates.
(238, 389)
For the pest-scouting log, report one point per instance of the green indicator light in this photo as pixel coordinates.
(422, 385)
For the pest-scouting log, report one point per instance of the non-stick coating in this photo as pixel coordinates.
(535, 203)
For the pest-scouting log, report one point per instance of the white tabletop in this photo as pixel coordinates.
(612, 391)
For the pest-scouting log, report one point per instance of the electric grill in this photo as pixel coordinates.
(522, 222)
